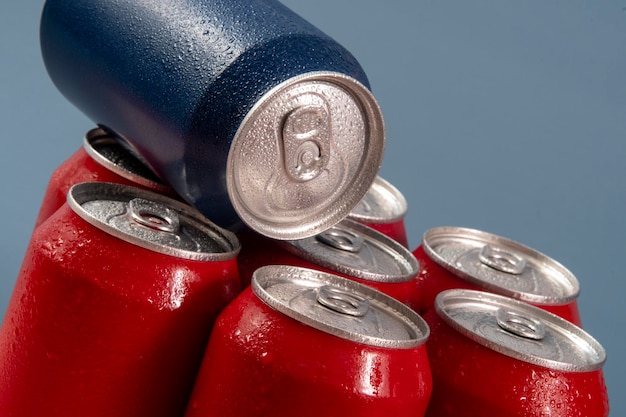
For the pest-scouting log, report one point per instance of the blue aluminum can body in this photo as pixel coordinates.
(176, 78)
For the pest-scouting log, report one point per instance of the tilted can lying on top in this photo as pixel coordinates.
(248, 111)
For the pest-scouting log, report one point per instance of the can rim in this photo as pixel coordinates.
(89, 191)
(337, 210)
(412, 321)
(448, 300)
(100, 135)
(383, 190)
(387, 245)
(568, 281)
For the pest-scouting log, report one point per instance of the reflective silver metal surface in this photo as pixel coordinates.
(339, 307)
(109, 152)
(305, 155)
(152, 221)
(501, 265)
(519, 330)
(358, 251)
(383, 203)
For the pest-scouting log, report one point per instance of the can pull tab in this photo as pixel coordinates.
(502, 260)
(341, 239)
(520, 325)
(306, 141)
(342, 301)
(154, 215)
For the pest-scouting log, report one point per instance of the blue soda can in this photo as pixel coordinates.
(248, 111)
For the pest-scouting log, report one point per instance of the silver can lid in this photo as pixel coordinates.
(111, 153)
(305, 155)
(501, 265)
(340, 307)
(520, 330)
(152, 221)
(383, 203)
(358, 251)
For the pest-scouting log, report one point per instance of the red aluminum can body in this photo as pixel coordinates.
(98, 326)
(101, 158)
(258, 251)
(436, 275)
(260, 362)
(472, 380)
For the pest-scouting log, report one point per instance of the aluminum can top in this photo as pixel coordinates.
(358, 251)
(340, 307)
(383, 203)
(111, 153)
(305, 155)
(501, 265)
(152, 221)
(520, 330)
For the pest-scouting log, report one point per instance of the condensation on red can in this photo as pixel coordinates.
(102, 158)
(113, 306)
(383, 208)
(349, 249)
(300, 342)
(456, 257)
(492, 355)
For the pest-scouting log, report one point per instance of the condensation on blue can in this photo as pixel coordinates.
(247, 110)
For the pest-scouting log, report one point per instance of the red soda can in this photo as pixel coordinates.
(456, 257)
(492, 355)
(383, 208)
(102, 158)
(300, 342)
(113, 306)
(349, 249)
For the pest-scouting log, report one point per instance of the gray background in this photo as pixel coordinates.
(505, 116)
